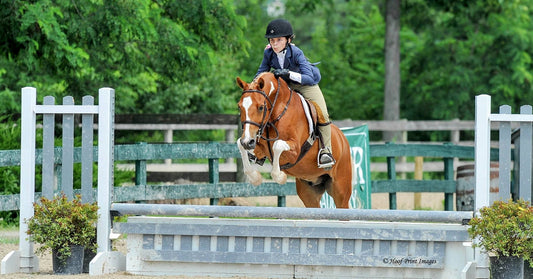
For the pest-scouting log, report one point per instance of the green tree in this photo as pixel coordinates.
(469, 48)
(338, 35)
(347, 37)
(256, 21)
(161, 56)
(450, 52)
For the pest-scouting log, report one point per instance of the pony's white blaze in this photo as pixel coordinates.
(246, 103)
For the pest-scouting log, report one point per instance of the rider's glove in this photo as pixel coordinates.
(283, 73)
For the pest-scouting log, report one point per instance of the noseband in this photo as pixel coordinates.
(265, 121)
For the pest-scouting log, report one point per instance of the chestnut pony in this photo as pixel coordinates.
(275, 126)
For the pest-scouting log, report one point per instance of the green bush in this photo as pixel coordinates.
(504, 229)
(59, 223)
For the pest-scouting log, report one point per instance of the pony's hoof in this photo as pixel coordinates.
(279, 177)
(255, 178)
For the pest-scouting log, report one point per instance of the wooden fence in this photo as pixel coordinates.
(143, 153)
(168, 123)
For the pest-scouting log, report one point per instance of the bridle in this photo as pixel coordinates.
(265, 121)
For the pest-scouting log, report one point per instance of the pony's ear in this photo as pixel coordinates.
(241, 83)
(261, 82)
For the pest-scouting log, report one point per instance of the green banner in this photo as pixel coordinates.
(360, 151)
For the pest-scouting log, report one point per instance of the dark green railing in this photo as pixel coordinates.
(447, 152)
(142, 153)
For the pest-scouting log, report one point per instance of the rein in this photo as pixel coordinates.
(265, 123)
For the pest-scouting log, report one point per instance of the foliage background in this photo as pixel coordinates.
(165, 56)
(160, 56)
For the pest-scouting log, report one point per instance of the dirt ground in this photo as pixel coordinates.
(404, 201)
(9, 237)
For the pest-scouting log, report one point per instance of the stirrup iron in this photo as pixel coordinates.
(327, 165)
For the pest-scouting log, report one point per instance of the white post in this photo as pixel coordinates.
(482, 170)
(24, 260)
(482, 151)
(106, 261)
(27, 178)
(105, 165)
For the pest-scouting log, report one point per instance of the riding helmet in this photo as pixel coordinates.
(278, 28)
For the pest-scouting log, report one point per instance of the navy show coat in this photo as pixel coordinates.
(295, 61)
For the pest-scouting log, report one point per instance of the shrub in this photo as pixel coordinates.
(59, 223)
(504, 229)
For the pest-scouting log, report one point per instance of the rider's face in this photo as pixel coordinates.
(278, 44)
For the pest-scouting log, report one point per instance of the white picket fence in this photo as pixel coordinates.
(483, 121)
(106, 261)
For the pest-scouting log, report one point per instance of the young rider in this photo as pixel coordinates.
(289, 62)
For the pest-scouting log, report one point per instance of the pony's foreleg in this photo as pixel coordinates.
(278, 147)
(254, 176)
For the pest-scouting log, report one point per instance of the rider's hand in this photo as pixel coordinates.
(283, 73)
